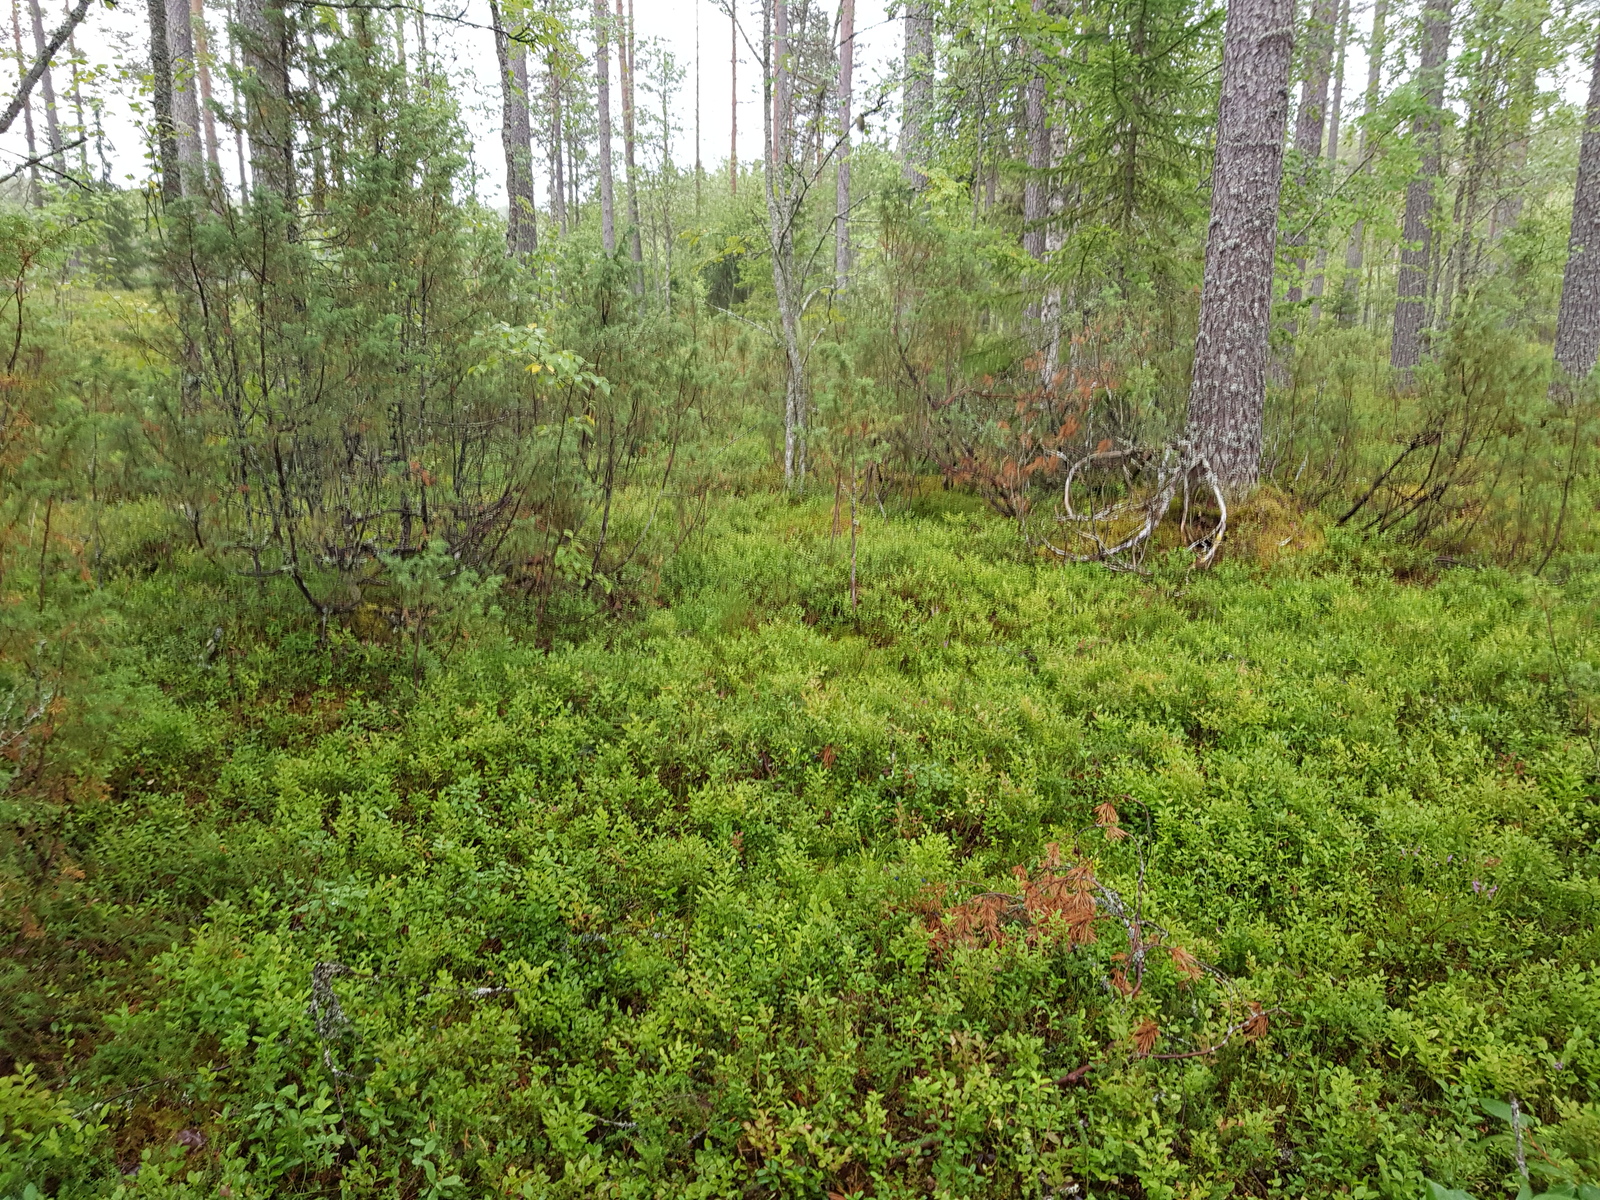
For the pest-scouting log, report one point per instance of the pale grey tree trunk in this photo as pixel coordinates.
(35, 191)
(522, 229)
(917, 93)
(1228, 392)
(1332, 157)
(558, 182)
(602, 69)
(1578, 326)
(1311, 118)
(783, 199)
(1416, 252)
(1377, 44)
(841, 186)
(625, 73)
(47, 90)
(185, 102)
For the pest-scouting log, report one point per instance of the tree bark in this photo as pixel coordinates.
(202, 60)
(1310, 120)
(1354, 252)
(1578, 326)
(1228, 393)
(47, 89)
(782, 202)
(1332, 156)
(237, 114)
(185, 105)
(602, 65)
(780, 83)
(264, 42)
(917, 93)
(522, 230)
(625, 72)
(161, 102)
(1416, 252)
(841, 187)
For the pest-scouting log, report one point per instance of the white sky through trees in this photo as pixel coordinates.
(114, 43)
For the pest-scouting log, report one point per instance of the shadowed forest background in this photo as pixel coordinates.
(1038, 639)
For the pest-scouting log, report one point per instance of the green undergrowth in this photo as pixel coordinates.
(743, 898)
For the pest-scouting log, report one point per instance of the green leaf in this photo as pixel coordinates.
(1437, 1191)
(1496, 1108)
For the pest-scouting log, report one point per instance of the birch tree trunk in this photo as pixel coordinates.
(1416, 252)
(522, 230)
(1229, 387)
(625, 72)
(1311, 119)
(1376, 46)
(733, 106)
(160, 100)
(917, 93)
(1578, 326)
(841, 193)
(602, 66)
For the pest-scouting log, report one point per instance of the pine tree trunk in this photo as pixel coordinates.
(780, 83)
(185, 104)
(1578, 326)
(1354, 253)
(1311, 119)
(625, 70)
(202, 59)
(841, 193)
(522, 230)
(602, 65)
(1229, 388)
(161, 102)
(47, 87)
(264, 47)
(918, 93)
(1416, 253)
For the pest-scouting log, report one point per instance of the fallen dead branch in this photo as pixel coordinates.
(1150, 479)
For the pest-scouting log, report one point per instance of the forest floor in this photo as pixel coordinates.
(1013, 879)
